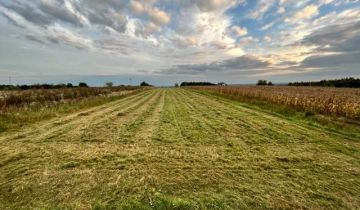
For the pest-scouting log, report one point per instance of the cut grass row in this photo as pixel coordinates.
(208, 152)
(178, 149)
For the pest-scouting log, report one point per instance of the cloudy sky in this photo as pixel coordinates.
(164, 41)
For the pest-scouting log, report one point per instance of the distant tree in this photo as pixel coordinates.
(24, 87)
(144, 84)
(69, 85)
(176, 85)
(221, 84)
(46, 86)
(59, 86)
(264, 83)
(83, 84)
(109, 84)
(261, 82)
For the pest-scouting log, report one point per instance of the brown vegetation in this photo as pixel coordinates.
(344, 102)
(48, 97)
(23, 107)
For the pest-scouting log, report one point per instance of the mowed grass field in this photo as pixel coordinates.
(178, 149)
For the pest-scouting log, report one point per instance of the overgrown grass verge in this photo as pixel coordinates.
(16, 117)
(335, 124)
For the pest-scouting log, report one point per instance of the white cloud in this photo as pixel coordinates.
(159, 17)
(247, 40)
(281, 10)
(267, 26)
(306, 13)
(261, 8)
(239, 31)
(137, 7)
(267, 38)
(211, 5)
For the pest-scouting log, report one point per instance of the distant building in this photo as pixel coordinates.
(222, 84)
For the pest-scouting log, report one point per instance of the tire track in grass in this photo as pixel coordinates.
(201, 129)
(149, 126)
(106, 141)
(205, 114)
(132, 130)
(87, 127)
(169, 122)
(93, 118)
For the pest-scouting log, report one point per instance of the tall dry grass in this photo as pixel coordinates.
(49, 97)
(339, 102)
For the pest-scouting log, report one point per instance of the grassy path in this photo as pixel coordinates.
(167, 148)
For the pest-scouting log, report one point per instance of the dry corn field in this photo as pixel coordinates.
(177, 149)
(339, 102)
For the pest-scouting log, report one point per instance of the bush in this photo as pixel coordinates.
(83, 84)
(109, 84)
(144, 84)
(264, 83)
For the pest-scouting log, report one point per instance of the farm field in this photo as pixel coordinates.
(178, 149)
(336, 102)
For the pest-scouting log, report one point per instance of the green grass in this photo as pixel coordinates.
(178, 149)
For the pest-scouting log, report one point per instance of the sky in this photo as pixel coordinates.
(168, 41)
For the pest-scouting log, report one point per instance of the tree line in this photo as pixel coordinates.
(196, 84)
(344, 82)
(42, 86)
(58, 86)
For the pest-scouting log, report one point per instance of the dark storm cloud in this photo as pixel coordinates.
(243, 63)
(29, 13)
(98, 12)
(103, 5)
(330, 61)
(339, 38)
(34, 39)
(12, 21)
(117, 22)
(57, 10)
(342, 41)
